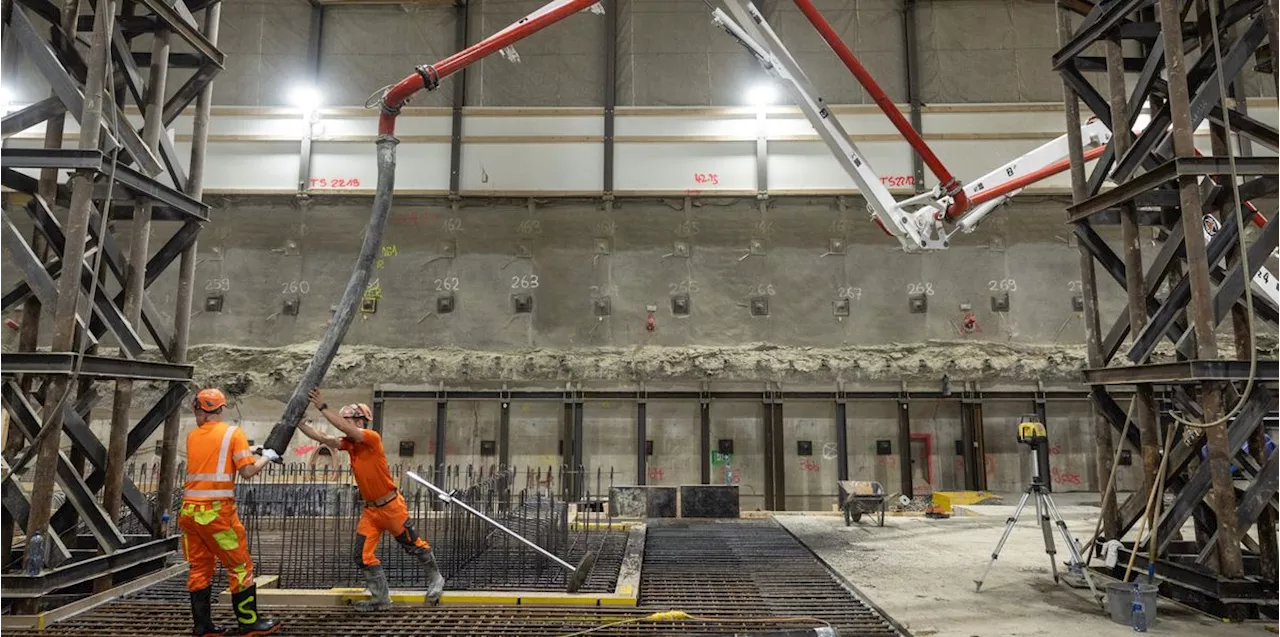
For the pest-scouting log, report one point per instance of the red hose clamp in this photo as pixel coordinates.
(952, 188)
(651, 323)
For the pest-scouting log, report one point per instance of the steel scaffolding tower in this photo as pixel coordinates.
(1196, 282)
(107, 64)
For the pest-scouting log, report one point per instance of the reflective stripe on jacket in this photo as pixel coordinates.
(211, 477)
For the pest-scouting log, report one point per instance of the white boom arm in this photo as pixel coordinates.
(917, 223)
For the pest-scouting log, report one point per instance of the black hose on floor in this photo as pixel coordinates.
(282, 432)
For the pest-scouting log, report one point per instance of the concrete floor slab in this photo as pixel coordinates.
(921, 572)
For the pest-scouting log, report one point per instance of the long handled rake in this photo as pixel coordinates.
(577, 574)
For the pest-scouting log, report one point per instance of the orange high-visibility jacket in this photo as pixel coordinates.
(215, 451)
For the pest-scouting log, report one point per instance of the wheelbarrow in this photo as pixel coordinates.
(858, 498)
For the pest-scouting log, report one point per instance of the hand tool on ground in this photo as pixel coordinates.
(577, 574)
(1032, 432)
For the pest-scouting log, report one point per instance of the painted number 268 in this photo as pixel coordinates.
(925, 288)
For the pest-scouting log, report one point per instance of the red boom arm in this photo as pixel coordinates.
(949, 183)
(428, 76)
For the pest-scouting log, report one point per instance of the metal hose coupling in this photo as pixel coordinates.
(430, 78)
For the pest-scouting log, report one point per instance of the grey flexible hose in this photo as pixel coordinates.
(282, 432)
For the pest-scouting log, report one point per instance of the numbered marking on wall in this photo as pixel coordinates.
(1002, 285)
(526, 282)
(334, 182)
(295, 287)
(686, 286)
(923, 287)
(849, 292)
(217, 285)
(530, 227)
(447, 284)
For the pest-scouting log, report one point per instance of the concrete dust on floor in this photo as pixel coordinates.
(922, 572)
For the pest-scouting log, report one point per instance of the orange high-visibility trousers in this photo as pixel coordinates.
(212, 533)
(392, 517)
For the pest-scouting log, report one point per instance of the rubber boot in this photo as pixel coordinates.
(435, 581)
(248, 622)
(379, 594)
(202, 614)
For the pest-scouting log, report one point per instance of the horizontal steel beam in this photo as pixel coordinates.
(62, 363)
(1181, 372)
(1199, 583)
(1098, 23)
(28, 586)
(1166, 172)
(187, 30)
(382, 394)
(92, 160)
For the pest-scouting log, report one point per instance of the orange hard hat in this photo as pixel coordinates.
(210, 399)
(356, 410)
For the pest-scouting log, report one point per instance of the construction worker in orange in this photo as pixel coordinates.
(211, 530)
(384, 507)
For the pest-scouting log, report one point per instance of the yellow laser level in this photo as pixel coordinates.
(1031, 431)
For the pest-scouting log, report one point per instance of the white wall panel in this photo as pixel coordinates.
(658, 150)
(809, 166)
(705, 167)
(251, 166)
(571, 167)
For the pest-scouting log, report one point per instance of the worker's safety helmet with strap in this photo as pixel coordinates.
(357, 410)
(209, 400)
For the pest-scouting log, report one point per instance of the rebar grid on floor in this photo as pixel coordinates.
(735, 565)
(744, 574)
(301, 521)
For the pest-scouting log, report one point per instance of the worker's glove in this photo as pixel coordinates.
(269, 454)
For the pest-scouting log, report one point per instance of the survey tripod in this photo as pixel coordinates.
(1032, 433)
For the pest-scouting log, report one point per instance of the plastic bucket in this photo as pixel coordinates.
(1120, 601)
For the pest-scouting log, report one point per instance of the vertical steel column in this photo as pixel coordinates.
(1241, 329)
(462, 9)
(135, 275)
(1133, 266)
(641, 438)
(313, 69)
(779, 456)
(967, 445)
(766, 438)
(187, 274)
(1222, 496)
(610, 91)
(762, 156)
(912, 46)
(1104, 448)
(29, 331)
(980, 445)
(77, 231)
(906, 476)
(378, 405)
(577, 449)
(504, 435)
(442, 420)
(842, 439)
(704, 438)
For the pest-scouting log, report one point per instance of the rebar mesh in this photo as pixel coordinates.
(301, 522)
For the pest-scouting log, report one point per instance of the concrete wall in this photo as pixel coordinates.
(257, 254)
(258, 249)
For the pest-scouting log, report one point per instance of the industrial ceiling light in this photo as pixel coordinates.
(762, 94)
(306, 97)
